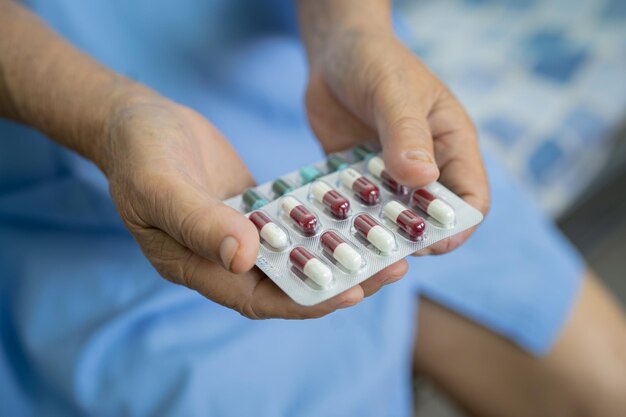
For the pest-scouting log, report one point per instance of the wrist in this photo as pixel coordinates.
(334, 25)
(123, 102)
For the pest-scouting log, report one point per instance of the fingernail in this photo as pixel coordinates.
(228, 249)
(416, 155)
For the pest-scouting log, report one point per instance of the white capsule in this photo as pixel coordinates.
(289, 203)
(274, 236)
(348, 177)
(376, 166)
(348, 257)
(319, 190)
(393, 209)
(434, 206)
(441, 211)
(381, 238)
(318, 272)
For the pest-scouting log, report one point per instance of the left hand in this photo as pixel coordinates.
(365, 87)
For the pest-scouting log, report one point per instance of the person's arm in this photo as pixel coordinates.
(48, 84)
(364, 85)
(168, 168)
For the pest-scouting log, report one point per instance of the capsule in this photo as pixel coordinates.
(362, 153)
(408, 221)
(341, 251)
(309, 265)
(337, 204)
(253, 199)
(269, 231)
(336, 163)
(302, 217)
(377, 235)
(364, 188)
(376, 167)
(435, 207)
(281, 187)
(309, 174)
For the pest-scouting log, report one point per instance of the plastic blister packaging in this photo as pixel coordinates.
(338, 222)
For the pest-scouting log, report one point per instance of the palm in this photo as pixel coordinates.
(379, 90)
(335, 126)
(175, 168)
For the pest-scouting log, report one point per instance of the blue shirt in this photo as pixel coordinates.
(87, 325)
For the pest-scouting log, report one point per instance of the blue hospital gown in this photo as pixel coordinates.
(88, 327)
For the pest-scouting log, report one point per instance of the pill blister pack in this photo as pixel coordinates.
(329, 226)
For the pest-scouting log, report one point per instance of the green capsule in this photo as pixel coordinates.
(309, 174)
(281, 187)
(335, 163)
(253, 200)
(361, 152)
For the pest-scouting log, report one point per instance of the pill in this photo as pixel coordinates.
(281, 187)
(361, 153)
(309, 174)
(310, 266)
(341, 251)
(253, 199)
(268, 230)
(302, 217)
(336, 163)
(376, 167)
(408, 221)
(371, 230)
(364, 188)
(338, 205)
(435, 207)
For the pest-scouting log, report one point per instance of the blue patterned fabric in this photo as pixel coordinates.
(544, 80)
(88, 327)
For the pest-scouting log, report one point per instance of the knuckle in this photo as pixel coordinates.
(189, 225)
(410, 127)
(187, 267)
(248, 310)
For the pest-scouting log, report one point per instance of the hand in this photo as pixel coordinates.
(366, 86)
(168, 170)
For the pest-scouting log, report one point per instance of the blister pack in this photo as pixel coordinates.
(333, 224)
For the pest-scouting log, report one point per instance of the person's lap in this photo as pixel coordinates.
(92, 326)
(583, 373)
(89, 327)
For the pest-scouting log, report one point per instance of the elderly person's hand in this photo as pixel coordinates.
(364, 85)
(169, 169)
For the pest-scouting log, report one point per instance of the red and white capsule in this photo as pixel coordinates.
(341, 251)
(435, 207)
(376, 167)
(269, 231)
(301, 216)
(309, 265)
(408, 221)
(376, 234)
(367, 191)
(337, 204)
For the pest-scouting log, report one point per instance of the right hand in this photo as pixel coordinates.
(168, 170)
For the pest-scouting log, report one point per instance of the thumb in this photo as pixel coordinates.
(402, 122)
(210, 229)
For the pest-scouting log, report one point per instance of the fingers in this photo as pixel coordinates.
(252, 293)
(269, 301)
(386, 276)
(206, 226)
(400, 111)
(462, 169)
(458, 153)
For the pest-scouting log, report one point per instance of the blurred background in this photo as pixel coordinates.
(545, 82)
